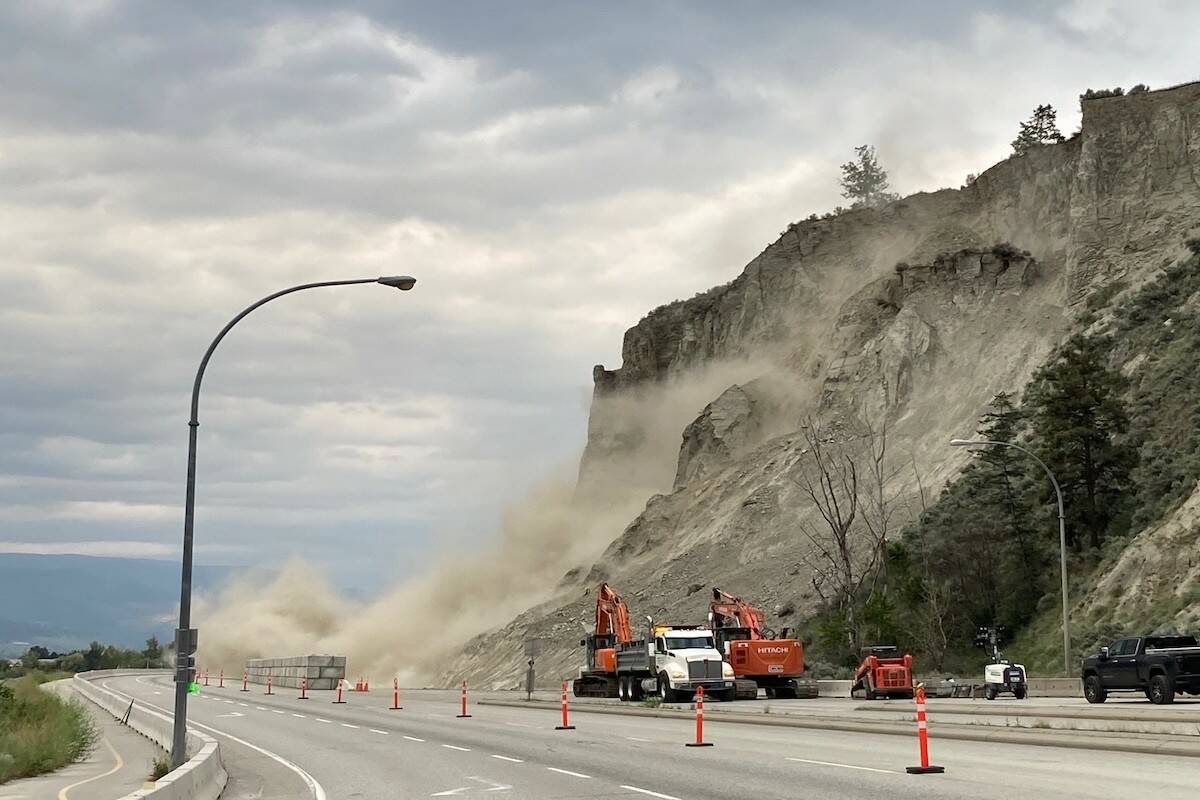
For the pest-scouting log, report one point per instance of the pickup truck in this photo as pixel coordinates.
(1159, 666)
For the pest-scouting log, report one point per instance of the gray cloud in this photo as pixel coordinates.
(550, 171)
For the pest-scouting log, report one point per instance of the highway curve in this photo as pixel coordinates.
(280, 746)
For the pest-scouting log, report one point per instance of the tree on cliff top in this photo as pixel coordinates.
(864, 181)
(1042, 128)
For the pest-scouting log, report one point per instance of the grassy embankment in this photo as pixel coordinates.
(39, 731)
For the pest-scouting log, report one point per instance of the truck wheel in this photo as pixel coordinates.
(989, 692)
(1162, 690)
(623, 689)
(1093, 689)
(1021, 692)
(665, 692)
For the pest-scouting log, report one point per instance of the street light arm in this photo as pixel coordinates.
(195, 418)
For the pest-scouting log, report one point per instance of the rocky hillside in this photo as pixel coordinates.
(908, 318)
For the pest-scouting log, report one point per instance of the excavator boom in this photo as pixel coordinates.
(612, 615)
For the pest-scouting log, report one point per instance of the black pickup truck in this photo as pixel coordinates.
(1160, 666)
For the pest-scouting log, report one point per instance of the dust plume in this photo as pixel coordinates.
(416, 630)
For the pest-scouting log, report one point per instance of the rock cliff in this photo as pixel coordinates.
(909, 317)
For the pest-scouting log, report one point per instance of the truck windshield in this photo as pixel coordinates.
(689, 642)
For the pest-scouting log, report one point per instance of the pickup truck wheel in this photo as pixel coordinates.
(1162, 690)
(1093, 689)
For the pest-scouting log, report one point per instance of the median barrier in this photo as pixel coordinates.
(201, 777)
(321, 672)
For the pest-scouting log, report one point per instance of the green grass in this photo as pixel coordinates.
(652, 702)
(39, 732)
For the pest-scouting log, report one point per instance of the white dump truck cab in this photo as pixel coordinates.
(683, 660)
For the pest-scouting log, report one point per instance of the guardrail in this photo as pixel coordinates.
(202, 777)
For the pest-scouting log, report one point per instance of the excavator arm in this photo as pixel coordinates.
(612, 615)
(733, 612)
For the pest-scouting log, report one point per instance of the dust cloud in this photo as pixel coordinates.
(416, 630)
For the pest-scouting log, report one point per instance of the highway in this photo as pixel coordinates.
(280, 746)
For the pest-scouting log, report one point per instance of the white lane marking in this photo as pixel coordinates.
(413, 739)
(506, 758)
(843, 766)
(318, 719)
(276, 711)
(456, 747)
(376, 730)
(232, 714)
(259, 708)
(299, 716)
(636, 739)
(348, 725)
(318, 791)
(568, 772)
(518, 724)
(647, 791)
(158, 692)
(229, 701)
(243, 705)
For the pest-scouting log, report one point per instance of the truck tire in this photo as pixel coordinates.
(989, 692)
(1021, 692)
(623, 688)
(1093, 689)
(665, 692)
(1162, 690)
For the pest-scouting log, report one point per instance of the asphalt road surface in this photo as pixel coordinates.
(280, 746)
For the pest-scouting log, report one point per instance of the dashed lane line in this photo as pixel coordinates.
(348, 725)
(507, 758)
(648, 792)
(843, 766)
(326, 721)
(300, 716)
(456, 747)
(243, 705)
(568, 772)
(636, 739)
(413, 739)
(276, 711)
(259, 708)
(376, 730)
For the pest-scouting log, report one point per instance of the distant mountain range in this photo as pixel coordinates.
(67, 601)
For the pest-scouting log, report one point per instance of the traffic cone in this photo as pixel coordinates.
(464, 714)
(923, 737)
(566, 723)
(699, 721)
(396, 695)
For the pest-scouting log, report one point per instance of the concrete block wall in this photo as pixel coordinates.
(322, 672)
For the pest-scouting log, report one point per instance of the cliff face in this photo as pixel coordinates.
(909, 317)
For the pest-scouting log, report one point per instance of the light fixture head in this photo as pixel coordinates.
(401, 282)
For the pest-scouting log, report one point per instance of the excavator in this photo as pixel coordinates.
(759, 658)
(599, 677)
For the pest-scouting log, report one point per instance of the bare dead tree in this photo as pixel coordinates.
(935, 610)
(845, 479)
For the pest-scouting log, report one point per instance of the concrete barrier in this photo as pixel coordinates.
(202, 777)
(322, 672)
(834, 688)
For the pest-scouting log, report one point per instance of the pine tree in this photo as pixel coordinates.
(1078, 417)
(1042, 128)
(864, 181)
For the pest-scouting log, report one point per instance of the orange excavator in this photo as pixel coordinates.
(760, 658)
(599, 677)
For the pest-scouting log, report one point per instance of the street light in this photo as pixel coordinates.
(1062, 534)
(184, 636)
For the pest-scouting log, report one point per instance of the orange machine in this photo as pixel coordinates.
(883, 673)
(599, 677)
(758, 657)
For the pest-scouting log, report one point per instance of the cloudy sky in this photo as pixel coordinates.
(548, 170)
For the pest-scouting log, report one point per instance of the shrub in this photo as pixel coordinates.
(40, 732)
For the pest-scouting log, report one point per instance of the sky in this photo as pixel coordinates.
(548, 171)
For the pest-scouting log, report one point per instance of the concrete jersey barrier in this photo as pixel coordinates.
(202, 777)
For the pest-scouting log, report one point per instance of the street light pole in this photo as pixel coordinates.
(184, 634)
(1062, 536)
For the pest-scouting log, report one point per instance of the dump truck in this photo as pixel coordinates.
(760, 658)
(670, 661)
(883, 673)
